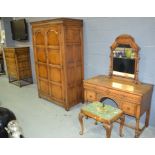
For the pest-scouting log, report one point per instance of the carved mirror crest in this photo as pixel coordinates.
(124, 58)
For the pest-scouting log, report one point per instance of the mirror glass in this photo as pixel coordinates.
(124, 58)
(124, 61)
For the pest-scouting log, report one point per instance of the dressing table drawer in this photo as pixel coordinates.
(119, 95)
(130, 98)
(129, 108)
(90, 95)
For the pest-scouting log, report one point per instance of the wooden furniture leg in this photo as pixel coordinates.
(137, 132)
(108, 128)
(81, 115)
(147, 118)
(9, 79)
(86, 117)
(96, 123)
(122, 120)
(67, 108)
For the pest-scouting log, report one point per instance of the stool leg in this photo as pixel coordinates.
(122, 120)
(108, 128)
(96, 123)
(81, 115)
(86, 117)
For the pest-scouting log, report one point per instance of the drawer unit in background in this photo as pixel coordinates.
(18, 65)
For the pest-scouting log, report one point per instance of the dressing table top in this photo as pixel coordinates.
(119, 84)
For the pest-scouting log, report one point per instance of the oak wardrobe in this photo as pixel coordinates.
(58, 52)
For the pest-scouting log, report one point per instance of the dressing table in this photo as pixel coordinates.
(122, 84)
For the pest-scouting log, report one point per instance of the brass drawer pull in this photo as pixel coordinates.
(128, 108)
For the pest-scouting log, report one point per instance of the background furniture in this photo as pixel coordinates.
(132, 96)
(2, 71)
(103, 113)
(18, 65)
(58, 51)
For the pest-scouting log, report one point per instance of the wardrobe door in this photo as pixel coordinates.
(55, 65)
(41, 60)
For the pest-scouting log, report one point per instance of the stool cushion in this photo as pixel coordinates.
(102, 111)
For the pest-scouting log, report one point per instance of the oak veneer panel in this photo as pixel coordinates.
(39, 37)
(41, 55)
(54, 57)
(73, 35)
(44, 86)
(55, 74)
(53, 36)
(42, 71)
(56, 91)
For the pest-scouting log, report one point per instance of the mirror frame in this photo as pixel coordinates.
(125, 39)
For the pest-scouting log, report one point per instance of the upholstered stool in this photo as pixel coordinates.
(103, 113)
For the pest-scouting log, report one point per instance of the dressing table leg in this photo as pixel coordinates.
(122, 120)
(137, 132)
(147, 118)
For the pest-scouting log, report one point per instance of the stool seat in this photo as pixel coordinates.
(103, 113)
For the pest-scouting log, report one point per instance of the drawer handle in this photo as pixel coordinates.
(108, 92)
(123, 96)
(128, 108)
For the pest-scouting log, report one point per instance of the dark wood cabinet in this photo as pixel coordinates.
(18, 65)
(58, 51)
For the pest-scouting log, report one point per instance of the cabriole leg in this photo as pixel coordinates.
(108, 128)
(81, 115)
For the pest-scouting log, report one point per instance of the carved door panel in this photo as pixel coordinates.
(54, 60)
(41, 60)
